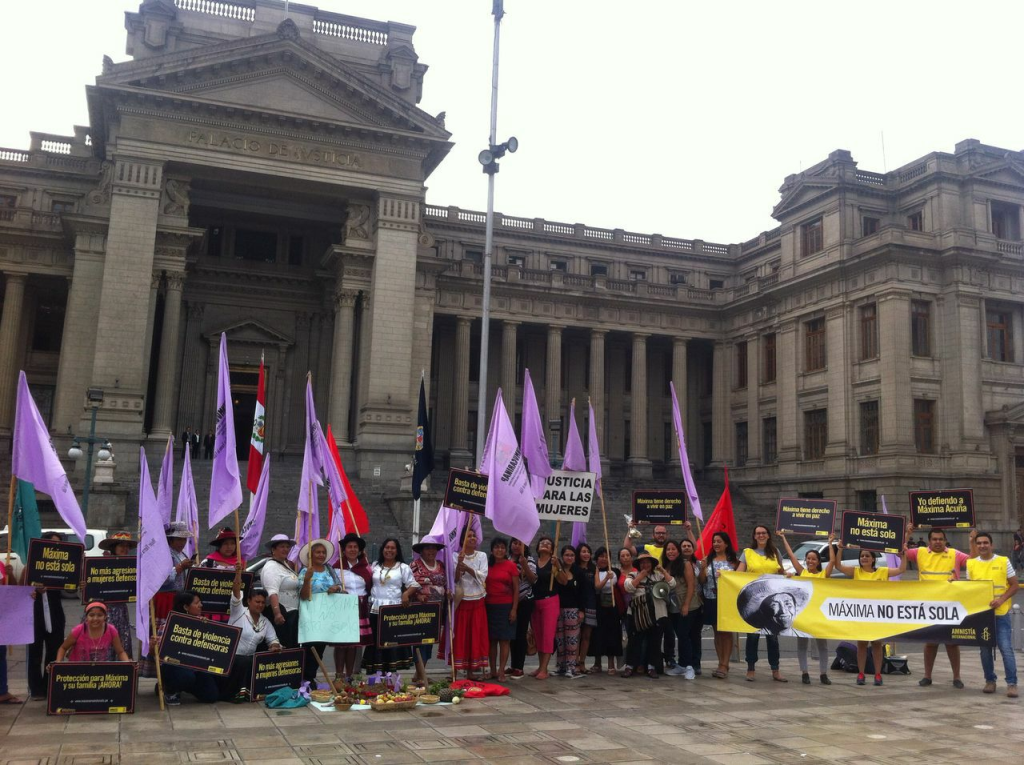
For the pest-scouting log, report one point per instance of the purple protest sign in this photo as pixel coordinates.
(16, 626)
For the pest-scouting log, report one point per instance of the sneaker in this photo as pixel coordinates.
(696, 671)
(572, 674)
(924, 681)
(958, 684)
(689, 674)
(878, 680)
(805, 678)
(675, 670)
(516, 674)
(825, 680)
(989, 688)
(860, 679)
(172, 699)
(652, 673)
(1011, 691)
(670, 664)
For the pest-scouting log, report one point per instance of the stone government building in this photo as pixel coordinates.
(263, 175)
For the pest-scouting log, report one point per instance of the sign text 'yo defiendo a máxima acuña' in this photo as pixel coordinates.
(568, 496)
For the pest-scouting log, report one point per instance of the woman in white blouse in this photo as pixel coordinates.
(471, 643)
(393, 584)
(282, 584)
(257, 631)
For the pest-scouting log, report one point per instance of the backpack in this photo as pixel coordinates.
(846, 659)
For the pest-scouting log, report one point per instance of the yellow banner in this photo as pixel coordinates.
(942, 612)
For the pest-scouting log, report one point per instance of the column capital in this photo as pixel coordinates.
(15, 276)
(598, 331)
(640, 337)
(155, 280)
(464, 321)
(176, 280)
(680, 342)
(345, 298)
(510, 322)
(555, 328)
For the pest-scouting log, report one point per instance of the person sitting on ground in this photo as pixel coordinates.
(177, 680)
(257, 631)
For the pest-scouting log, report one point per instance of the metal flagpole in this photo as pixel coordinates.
(490, 168)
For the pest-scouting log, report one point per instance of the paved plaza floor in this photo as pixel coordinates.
(595, 719)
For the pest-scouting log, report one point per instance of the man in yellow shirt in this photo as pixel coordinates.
(942, 563)
(655, 548)
(999, 570)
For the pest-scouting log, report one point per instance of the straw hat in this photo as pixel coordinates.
(754, 594)
(304, 552)
(177, 530)
(279, 539)
(117, 538)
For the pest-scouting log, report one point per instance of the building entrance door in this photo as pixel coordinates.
(244, 381)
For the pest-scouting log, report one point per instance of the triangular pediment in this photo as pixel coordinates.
(1008, 415)
(252, 332)
(1004, 171)
(802, 193)
(278, 74)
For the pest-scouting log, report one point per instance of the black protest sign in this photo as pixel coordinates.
(55, 565)
(214, 586)
(873, 531)
(466, 491)
(807, 517)
(110, 579)
(946, 509)
(659, 506)
(91, 688)
(417, 624)
(199, 644)
(276, 669)
(975, 629)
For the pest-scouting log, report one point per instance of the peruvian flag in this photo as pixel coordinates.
(252, 477)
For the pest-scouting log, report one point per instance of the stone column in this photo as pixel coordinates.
(192, 393)
(962, 420)
(638, 463)
(753, 401)
(459, 454)
(509, 331)
(789, 421)
(596, 383)
(679, 373)
(341, 364)
(10, 334)
(167, 364)
(553, 390)
(839, 366)
(896, 407)
(721, 422)
(154, 294)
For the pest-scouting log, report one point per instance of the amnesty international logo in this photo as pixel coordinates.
(986, 634)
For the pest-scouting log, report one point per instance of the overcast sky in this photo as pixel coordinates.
(676, 117)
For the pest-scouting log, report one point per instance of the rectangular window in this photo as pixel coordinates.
(920, 328)
(1000, 335)
(599, 269)
(295, 248)
(868, 332)
(915, 221)
(812, 237)
(677, 278)
(924, 425)
(814, 345)
(48, 328)
(770, 441)
(214, 241)
(256, 245)
(769, 357)
(1006, 221)
(637, 275)
(869, 427)
(867, 501)
(517, 260)
(8, 201)
(474, 256)
(741, 444)
(716, 284)
(61, 206)
(558, 265)
(869, 226)
(815, 433)
(741, 365)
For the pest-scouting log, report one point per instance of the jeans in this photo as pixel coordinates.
(3, 670)
(753, 638)
(802, 644)
(688, 635)
(669, 638)
(1004, 641)
(643, 649)
(202, 685)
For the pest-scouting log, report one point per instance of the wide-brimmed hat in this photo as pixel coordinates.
(223, 536)
(418, 547)
(352, 537)
(648, 556)
(753, 595)
(117, 538)
(304, 552)
(279, 539)
(177, 530)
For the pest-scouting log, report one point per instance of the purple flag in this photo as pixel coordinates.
(318, 466)
(684, 460)
(34, 459)
(575, 459)
(252, 529)
(892, 561)
(307, 528)
(225, 484)
(165, 486)
(17, 627)
(535, 445)
(188, 506)
(510, 504)
(594, 449)
(154, 556)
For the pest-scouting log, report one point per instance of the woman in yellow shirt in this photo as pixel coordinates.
(762, 558)
(811, 568)
(866, 571)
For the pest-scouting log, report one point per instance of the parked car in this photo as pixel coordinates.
(255, 568)
(850, 556)
(93, 537)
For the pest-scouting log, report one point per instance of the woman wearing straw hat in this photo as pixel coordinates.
(317, 576)
(119, 544)
(281, 582)
(357, 577)
(178, 535)
(393, 584)
(649, 615)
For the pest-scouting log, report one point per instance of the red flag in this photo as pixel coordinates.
(252, 476)
(354, 506)
(721, 520)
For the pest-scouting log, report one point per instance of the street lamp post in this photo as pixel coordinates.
(95, 396)
(489, 159)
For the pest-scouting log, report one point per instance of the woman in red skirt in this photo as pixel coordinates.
(471, 643)
(355, 570)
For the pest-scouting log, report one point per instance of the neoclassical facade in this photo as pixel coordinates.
(262, 174)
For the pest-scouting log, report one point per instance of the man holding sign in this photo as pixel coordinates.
(997, 569)
(940, 562)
